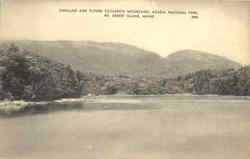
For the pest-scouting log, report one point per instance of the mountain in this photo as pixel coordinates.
(118, 58)
(185, 61)
(104, 58)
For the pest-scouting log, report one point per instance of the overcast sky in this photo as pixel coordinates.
(222, 27)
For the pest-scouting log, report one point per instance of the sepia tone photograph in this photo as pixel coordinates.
(142, 79)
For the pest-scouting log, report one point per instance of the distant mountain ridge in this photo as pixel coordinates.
(124, 59)
(193, 60)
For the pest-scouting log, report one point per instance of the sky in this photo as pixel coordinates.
(222, 27)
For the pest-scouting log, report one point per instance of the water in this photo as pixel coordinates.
(163, 127)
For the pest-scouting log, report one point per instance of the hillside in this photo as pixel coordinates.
(187, 61)
(117, 58)
(27, 76)
(24, 75)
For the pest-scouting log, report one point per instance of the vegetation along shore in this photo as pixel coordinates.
(28, 79)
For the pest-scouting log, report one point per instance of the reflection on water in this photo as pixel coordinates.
(155, 128)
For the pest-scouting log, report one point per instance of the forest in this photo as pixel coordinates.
(27, 76)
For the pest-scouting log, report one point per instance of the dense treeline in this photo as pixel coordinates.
(26, 76)
(30, 77)
(227, 82)
(107, 85)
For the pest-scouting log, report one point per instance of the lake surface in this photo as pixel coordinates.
(152, 127)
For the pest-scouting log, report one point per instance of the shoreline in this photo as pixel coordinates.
(12, 108)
